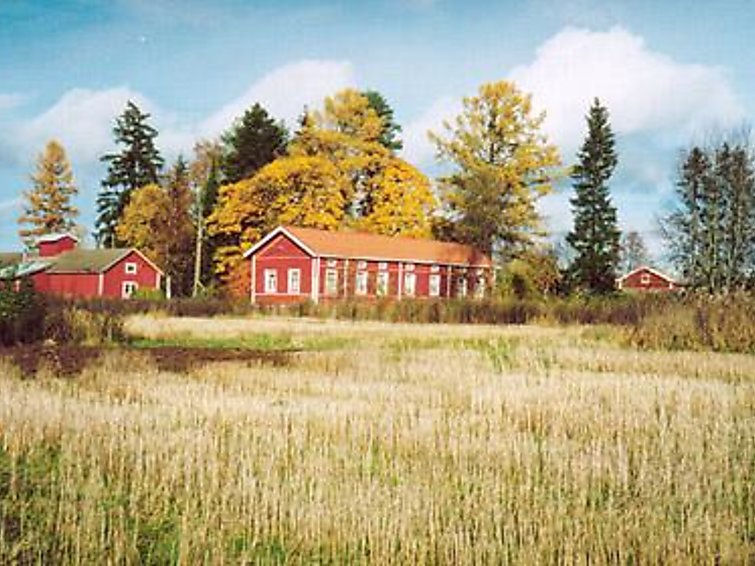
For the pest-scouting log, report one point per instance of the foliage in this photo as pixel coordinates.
(595, 236)
(47, 205)
(389, 135)
(305, 191)
(205, 175)
(633, 251)
(532, 276)
(711, 234)
(22, 312)
(252, 142)
(138, 164)
(158, 222)
(503, 164)
(399, 202)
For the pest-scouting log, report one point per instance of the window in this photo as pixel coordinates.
(435, 269)
(645, 279)
(410, 284)
(361, 283)
(361, 264)
(130, 268)
(128, 289)
(271, 281)
(331, 282)
(294, 281)
(461, 286)
(435, 285)
(383, 266)
(332, 263)
(409, 267)
(382, 284)
(479, 289)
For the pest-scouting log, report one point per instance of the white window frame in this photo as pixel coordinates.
(361, 265)
(645, 279)
(271, 289)
(435, 269)
(383, 285)
(410, 284)
(408, 267)
(331, 282)
(383, 266)
(332, 263)
(361, 282)
(130, 268)
(461, 286)
(480, 287)
(434, 285)
(128, 288)
(294, 276)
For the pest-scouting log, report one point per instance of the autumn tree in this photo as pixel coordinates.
(252, 142)
(399, 202)
(47, 204)
(595, 236)
(633, 251)
(303, 191)
(390, 130)
(503, 164)
(350, 133)
(137, 164)
(157, 221)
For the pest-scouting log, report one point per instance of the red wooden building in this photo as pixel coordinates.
(61, 268)
(646, 279)
(297, 264)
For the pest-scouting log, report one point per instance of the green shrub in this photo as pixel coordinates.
(22, 313)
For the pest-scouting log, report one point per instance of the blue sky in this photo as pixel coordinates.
(670, 72)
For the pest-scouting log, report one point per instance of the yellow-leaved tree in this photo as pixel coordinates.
(503, 164)
(303, 191)
(399, 202)
(142, 222)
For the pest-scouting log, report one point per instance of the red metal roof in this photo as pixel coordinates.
(363, 245)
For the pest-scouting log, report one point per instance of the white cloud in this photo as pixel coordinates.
(645, 91)
(285, 91)
(417, 147)
(10, 101)
(82, 120)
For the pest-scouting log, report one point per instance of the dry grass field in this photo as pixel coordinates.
(382, 444)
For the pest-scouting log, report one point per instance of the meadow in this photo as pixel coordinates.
(381, 443)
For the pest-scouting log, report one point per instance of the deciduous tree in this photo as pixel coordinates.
(137, 164)
(47, 204)
(633, 252)
(503, 164)
(595, 236)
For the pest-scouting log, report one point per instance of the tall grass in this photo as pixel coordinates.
(411, 444)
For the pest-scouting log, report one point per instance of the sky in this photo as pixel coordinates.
(671, 73)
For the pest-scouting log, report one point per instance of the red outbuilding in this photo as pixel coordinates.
(293, 264)
(646, 279)
(61, 268)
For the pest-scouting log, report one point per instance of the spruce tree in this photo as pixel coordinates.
(595, 236)
(389, 137)
(47, 206)
(136, 165)
(252, 142)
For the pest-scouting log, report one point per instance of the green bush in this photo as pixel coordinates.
(22, 313)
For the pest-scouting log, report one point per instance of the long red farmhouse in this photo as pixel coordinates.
(293, 264)
(61, 268)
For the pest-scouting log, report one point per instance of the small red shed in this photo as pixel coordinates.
(294, 264)
(646, 279)
(60, 268)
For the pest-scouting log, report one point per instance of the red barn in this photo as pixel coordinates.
(61, 268)
(647, 279)
(292, 265)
